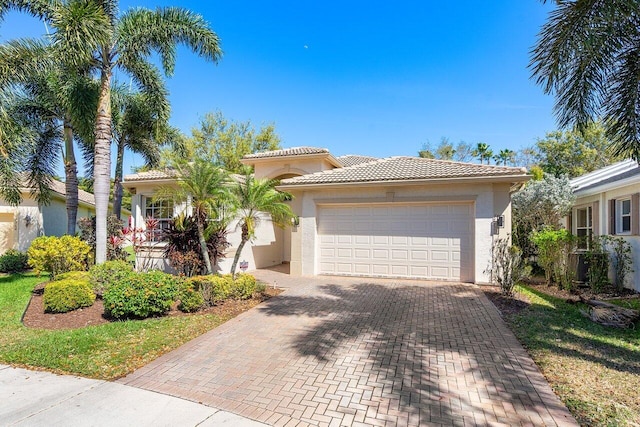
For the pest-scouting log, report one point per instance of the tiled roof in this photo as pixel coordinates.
(152, 174)
(403, 169)
(58, 187)
(293, 151)
(354, 159)
(83, 196)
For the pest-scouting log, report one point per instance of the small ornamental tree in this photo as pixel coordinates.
(540, 204)
(554, 256)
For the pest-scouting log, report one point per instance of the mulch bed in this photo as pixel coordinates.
(35, 317)
(508, 306)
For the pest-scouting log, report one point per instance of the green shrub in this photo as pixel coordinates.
(74, 275)
(101, 276)
(190, 299)
(554, 250)
(214, 289)
(243, 287)
(13, 261)
(58, 254)
(141, 295)
(67, 295)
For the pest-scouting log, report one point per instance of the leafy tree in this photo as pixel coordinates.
(224, 142)
(253, 197)
(426, 152)
(587, 56)
(445, 150)
(576, 152)
(540, 204)
(463, 152)
(206, 188)
(483, 152)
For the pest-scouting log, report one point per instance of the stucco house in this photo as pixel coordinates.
(608, 203)
(357, 215)
(19, 225)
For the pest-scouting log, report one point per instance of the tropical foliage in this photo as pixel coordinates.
(587, 56)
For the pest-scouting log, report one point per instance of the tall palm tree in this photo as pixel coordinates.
(92, 33)
(504, 156)
(482, 152)
(587, 56)
(205, 188)
(253, 197)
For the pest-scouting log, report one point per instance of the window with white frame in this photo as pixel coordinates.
(623, 216)
(584, 226)
(162, 211)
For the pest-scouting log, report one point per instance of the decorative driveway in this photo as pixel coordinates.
(354, 351)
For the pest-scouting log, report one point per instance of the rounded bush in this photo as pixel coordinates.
(101, 276)
(141, 295)
(58, 254)
(13, 261)
(67, 295)
(214, 289)
(243, 287)
(190, 299)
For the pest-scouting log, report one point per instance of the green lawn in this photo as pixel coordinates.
(107, 351)
(594, 369)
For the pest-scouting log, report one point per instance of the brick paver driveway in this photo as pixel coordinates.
(337, 351)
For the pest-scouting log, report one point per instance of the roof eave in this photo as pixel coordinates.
(596, 189)
(512, 179)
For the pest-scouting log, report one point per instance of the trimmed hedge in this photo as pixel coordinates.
(190, 299)
(101, 276)
(243, 287)
(58, 254)
(141, 295)
(66, 295)
(13, 261)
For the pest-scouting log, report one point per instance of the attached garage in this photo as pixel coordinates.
(427, 241)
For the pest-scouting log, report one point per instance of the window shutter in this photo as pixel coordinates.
(595, 218)
(635, 204)
(570, 222)
(612, 216)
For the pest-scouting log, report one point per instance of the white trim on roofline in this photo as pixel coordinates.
(608, 172)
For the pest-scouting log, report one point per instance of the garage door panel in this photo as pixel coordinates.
(428, 241)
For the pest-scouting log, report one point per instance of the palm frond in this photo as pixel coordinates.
(21, 59)
(41, 9)
(142, 31)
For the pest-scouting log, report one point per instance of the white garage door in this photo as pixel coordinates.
(424, 241)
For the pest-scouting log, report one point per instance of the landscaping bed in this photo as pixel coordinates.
(594, 369)
(36, 317)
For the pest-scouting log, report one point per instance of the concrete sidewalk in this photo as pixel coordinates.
(34, 398)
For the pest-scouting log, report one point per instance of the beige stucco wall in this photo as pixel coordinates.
(489, 200)
(273, 168)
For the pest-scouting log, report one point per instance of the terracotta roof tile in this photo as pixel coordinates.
(403, 169)
(354, 159)
(293, 151)
(151, 175)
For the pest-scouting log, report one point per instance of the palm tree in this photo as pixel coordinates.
(504, 156)
(253, 198)
(482, 152)
(137, 126)
(587, 55)
(204, 187)
(93, 34)
(57, 105)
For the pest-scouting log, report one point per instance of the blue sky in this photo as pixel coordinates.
(356, 77)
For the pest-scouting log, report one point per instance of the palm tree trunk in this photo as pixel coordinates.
(203, 247)
(71, 178)
(243, 240)
(117, 182)
(102, 162)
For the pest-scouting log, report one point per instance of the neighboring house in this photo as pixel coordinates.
(357, 215)
(608, 202)
(19, 225)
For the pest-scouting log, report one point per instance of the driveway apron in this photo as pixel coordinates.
(357, 351)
